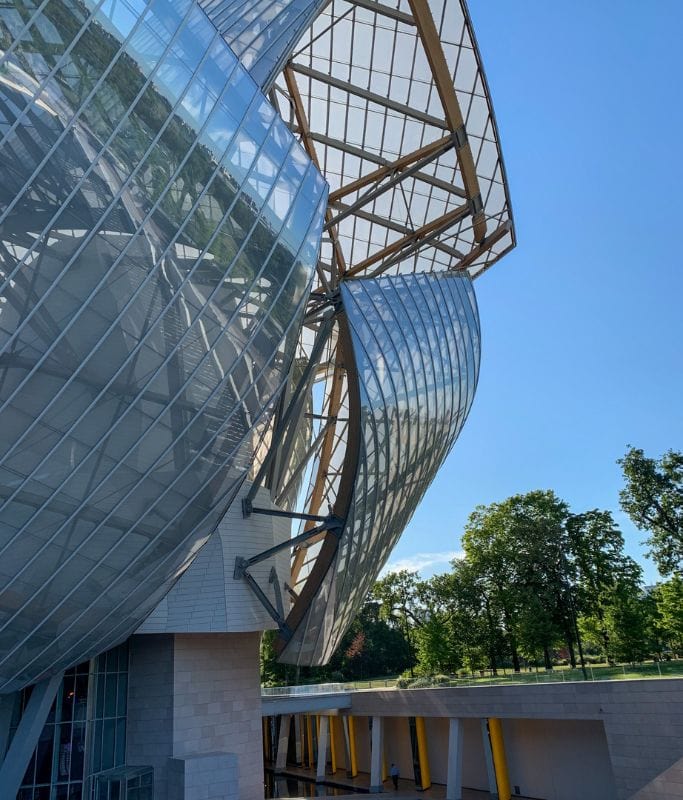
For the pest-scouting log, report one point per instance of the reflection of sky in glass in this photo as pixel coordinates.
(153, 307)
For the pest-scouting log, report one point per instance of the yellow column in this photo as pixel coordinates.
(352, 747)
(422, 753)
(333, 743)
(500, 764)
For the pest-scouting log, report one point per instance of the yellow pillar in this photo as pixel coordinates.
(333, 743)
(500, 764)
(422, 753)
(352, 747)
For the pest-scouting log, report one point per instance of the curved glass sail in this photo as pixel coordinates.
(159, 229)
(415, 342)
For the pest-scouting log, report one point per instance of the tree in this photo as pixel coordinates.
(653, 499)
(515, 548)
(371, 647)
(668, 598)
(627, 619)
(397, 595)
(605, 580)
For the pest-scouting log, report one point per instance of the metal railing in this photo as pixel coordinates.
(306, 689)
(653, 670)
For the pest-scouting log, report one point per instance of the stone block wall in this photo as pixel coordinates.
(195, 701)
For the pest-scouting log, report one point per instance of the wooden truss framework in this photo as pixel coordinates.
(356, 197)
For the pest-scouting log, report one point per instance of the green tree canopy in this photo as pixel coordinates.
(653, 499)
(516, 550)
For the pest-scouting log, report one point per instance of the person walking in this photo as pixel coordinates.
(394, 775)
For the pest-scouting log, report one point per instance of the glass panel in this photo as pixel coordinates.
(148, 317)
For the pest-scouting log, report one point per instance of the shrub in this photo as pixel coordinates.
(421, 683)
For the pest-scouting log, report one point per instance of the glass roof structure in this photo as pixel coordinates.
(415, 345)
(392, 102)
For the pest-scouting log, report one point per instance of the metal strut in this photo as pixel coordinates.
(296, 399)
(331, 523)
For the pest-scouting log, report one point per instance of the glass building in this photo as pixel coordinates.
(238, 338)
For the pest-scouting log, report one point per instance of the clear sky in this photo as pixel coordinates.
(582, 324)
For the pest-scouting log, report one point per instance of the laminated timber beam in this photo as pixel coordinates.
(449, 100)
(487, 244)
(372, 97)
(309, 147)
(413, 238)
(385, 11)
(368, 216)
(367, 155)
(428, 151)
(406, 170)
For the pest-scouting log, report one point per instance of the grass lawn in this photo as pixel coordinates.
(595, 672)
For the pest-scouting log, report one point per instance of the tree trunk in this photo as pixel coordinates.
(492, 660)
(513, 643)
(515, 657)
(546, 657)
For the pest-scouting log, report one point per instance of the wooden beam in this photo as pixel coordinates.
(394, 166)
(385, 11)
(441, 222)
(366, 155)
(309, 147)
(318, 493)
(449, 100)
(482, 247)
(395, 226)
(372, 97)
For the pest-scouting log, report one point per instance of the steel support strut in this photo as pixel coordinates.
(330, 523)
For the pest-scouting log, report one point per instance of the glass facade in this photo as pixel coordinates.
(159, 228)
(415, 341)
(262, 33)
(85, 732)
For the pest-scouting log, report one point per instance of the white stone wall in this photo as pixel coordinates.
(208, 777)
(207, 599)
(197, 698)
(217, 703)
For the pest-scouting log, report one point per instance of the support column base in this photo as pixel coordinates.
(376, 789)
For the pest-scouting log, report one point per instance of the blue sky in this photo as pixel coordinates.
(582, 324)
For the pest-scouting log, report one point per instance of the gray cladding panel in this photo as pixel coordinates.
(159, 229)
